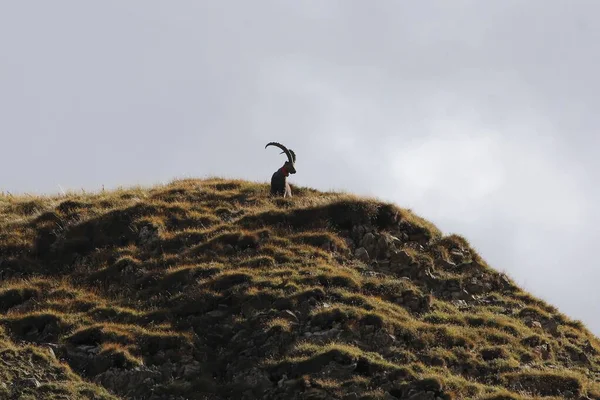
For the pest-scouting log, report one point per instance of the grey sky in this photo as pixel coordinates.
(478, 115)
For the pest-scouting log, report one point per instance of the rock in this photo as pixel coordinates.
(505, 282)
(474, 285)
(543, 351)
(589, 348)
(368, 242)
(551, 326)
(382, 340)
(358, 232)
(31, 383)
(585, 359)
(337, 371)
(149, 234)
(446, 264)
(248, 251)
(400, 258)
(383, 247)
(88, 349)
(528, 313)
(254, 378)
(415, 301)
(327, 246)
(216, 313)
(228, 249)
(422, 396)
(191, 370)
(328, 334)
(430, 276)
(315, 394)
(135, 382)
(282, 380)
(531, 323)
(457, 253)
(290, 383)
(462, 294)
(578, 356)
(289, 315)
(362, 254)
(247, 310)
(167, 370)
(51, 352)
(461, 304)
(395, 241)
(349, 243)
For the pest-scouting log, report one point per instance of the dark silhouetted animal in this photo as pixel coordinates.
(279, 183)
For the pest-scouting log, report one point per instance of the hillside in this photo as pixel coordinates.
(209, 289)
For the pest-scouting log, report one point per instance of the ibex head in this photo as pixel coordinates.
(290, 163)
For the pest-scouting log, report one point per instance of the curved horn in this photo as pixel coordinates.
(285, 150)
(292, 153)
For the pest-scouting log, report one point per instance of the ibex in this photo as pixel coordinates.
(279, 184)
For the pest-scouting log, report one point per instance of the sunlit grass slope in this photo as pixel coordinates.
(210, 289)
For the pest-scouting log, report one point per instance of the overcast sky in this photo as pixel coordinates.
(481, 116)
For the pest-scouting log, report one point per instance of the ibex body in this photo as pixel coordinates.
(279, 183)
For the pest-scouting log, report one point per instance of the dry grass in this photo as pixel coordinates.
(241, 292)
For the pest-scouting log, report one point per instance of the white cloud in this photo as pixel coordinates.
(474, 116)
(472, 168)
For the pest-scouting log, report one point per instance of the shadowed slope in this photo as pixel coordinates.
(209, 289)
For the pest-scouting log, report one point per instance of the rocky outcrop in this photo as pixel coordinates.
(149, 235)
(426, 262)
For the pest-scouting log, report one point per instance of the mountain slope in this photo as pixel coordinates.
(209, 289)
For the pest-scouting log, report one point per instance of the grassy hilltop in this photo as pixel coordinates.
(209, 289)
